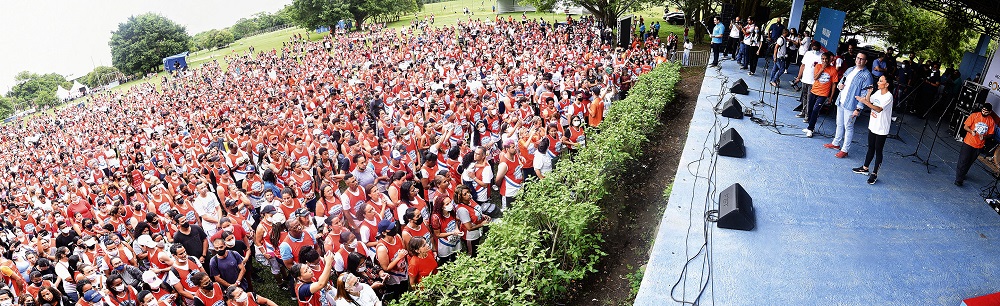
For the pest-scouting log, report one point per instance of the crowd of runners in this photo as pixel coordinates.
(344, 170)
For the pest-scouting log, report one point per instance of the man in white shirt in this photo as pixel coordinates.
(806, 72)
(208, 208)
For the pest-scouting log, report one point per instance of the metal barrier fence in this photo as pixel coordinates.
(695, 58)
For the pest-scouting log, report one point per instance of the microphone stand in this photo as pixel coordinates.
(926, 161)
(902, 112)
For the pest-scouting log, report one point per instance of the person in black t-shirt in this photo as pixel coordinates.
(192, 237)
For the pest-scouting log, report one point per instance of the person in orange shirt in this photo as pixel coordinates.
(421, 262)
(978, 127)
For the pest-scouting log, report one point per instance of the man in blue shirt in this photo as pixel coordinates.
(717, 34)
(856, 82)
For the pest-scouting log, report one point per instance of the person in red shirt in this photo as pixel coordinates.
(421, 262)
(978, 127)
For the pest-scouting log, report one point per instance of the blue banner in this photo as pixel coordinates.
(828, 28)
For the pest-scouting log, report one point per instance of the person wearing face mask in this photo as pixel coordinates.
(352, 292)
(192, 237)
(264, 249)
(91, 297)
(236, 296)
(445, 228)
(129, 273)
(26, 300)
(348, 244)
(414, 226)
(67, 236)
(227, 267)
(37, 283)
(183, 267)
(209, 293)
(120, 293)
(6, 298)
(574, 137)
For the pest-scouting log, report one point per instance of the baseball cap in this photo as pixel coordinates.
(267, 209)
(150, 278)
(146, 241)
(385, 225)
(301, 212)
(92, 296)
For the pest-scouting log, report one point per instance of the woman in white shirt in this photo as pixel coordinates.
(878, 127)
(687, 51)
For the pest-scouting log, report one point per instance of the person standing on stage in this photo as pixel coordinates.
(751, 38)
(824, 76)
(878, 127)
(856, 80)
(806, 70)
(717, 34)
(978, 127)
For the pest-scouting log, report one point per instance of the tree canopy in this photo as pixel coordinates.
(606, 11)
(261, 21)
(312, 14)
(100, 76)
(140, 44)
(212, 39)
(36, 89)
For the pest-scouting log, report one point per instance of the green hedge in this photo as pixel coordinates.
(547, 239)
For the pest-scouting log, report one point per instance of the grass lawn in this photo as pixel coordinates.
(445, 13)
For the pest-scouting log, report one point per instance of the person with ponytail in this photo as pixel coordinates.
(236, 296)
(352, 292)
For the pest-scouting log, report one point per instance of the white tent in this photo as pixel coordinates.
(61, 93)
(77, 90)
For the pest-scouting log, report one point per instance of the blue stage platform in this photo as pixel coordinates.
(823, 236)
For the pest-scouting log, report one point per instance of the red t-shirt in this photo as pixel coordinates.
(421, 267)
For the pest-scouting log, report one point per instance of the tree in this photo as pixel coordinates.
(140, 44)
(100, 76)
(312, 14)
(213, 39)
(37, 89)
(606, 11)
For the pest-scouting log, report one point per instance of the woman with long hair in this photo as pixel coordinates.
(445, 229)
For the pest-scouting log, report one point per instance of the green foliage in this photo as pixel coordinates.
(547, 240)
(100, 76)
(140, 44)
(605, 10)
(36, 89)
(212, 39)
(635, 280)
(260, 21)
(6, 106)
(312, 14)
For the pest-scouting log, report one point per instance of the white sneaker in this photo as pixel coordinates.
(809, 133)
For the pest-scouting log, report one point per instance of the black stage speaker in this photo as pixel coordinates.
(625, 32)
(732, 109)
(731, 144)
(740, 88)
(958, 117)
(736, 209)
(972, 95)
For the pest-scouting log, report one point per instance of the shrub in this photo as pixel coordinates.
(546, 240)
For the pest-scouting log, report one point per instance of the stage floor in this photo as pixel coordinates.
(823, 235)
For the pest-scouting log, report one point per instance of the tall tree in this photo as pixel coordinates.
(37, 89)
(606, 11)
(312, 14)
(140, 44)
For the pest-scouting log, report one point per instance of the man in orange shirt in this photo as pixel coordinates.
(978, 127)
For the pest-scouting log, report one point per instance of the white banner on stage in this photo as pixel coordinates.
(991, 78)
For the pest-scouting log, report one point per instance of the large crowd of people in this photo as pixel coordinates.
(345, 170)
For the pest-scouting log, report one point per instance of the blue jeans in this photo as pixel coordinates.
(741, 54)
(817, 105)
(845, 128)
(777, 69)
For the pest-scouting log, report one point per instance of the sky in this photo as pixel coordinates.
(71, 37)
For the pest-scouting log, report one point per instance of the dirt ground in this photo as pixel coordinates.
(636, 206)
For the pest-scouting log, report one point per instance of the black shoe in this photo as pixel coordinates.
(871, 178)
(860, 170)
(958, 183)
